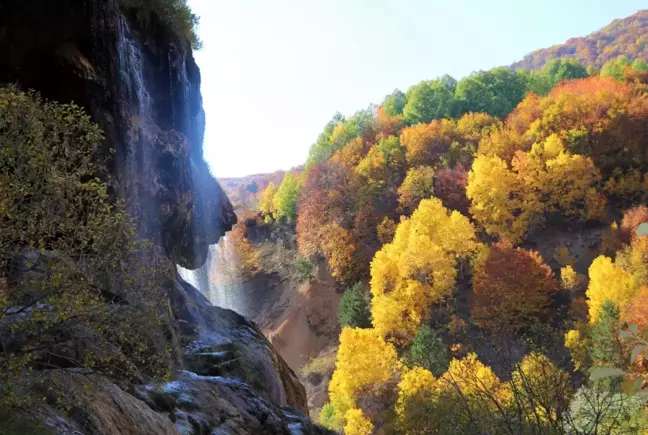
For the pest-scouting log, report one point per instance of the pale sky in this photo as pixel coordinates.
(275, 71)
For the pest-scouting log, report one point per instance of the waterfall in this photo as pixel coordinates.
(136, 110)
(131, 70)
(219, 279)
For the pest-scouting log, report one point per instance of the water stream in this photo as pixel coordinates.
(219, 279)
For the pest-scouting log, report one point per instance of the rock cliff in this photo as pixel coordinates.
(142, 86)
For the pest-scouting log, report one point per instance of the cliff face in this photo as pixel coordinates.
(142, 86)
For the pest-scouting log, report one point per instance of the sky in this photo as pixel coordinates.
(275, 71)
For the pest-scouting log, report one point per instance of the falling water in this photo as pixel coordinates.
(136, 110)
(219, 279)
(131, 70)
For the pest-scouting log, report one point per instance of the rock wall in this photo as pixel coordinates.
(142, 86)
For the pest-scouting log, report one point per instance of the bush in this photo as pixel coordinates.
(354, 309)
(319, 365)
(71, 270)
(304, 269)
(428, 351)
(175, 14)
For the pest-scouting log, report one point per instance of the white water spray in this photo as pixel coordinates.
(219, 279)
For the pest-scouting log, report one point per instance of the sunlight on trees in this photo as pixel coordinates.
(418, 268)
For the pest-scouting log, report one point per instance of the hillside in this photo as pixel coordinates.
(484, 231)
(623, 37)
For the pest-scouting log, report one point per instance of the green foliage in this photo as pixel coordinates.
(71, 269)
(428, 351)
(559, 70)
(615, 68)
(495, 92)
(394, 103)
(321, 150)
(330, 418)
(304, 269)
(554, 72)
(353, 310)
(175, 14)
(606, 349)
(431, 99)
(639, 65)
(285, 200)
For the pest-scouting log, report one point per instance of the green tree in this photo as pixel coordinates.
(353, 310)
(496, 92)
(394, 103)
(176, 14)
(322, 149)
(559, 70)
(428, 351)
(640, 65)
(615, 68)
(601, 409)
(537, 81)
(431, 99)
(285, 200)
(606, 348)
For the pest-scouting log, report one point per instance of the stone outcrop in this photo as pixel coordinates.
(225, 344)
(142, 86)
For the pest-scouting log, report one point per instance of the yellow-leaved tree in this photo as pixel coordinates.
(476, 394)
(266, 200)
(608, 282)
(418, 268)
(496, 197)
(418, 395)
(417, 185)
(365, 363)
(510, 201)
(357, 423)
(542, 390)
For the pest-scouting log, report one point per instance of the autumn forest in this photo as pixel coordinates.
(489, 240)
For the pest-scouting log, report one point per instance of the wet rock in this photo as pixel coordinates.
(96, 406)
(223, 343)
(217, 405)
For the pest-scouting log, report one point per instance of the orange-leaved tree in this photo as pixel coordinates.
(513, 288)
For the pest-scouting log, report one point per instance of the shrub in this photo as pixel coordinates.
(318, 365)
(276, 257)
(71, 269)
(304, 269)
(353, 310)
(176, 14)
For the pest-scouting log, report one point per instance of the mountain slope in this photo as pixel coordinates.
(627, 37)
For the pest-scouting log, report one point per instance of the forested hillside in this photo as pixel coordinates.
(489, 234)
(627, 37)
